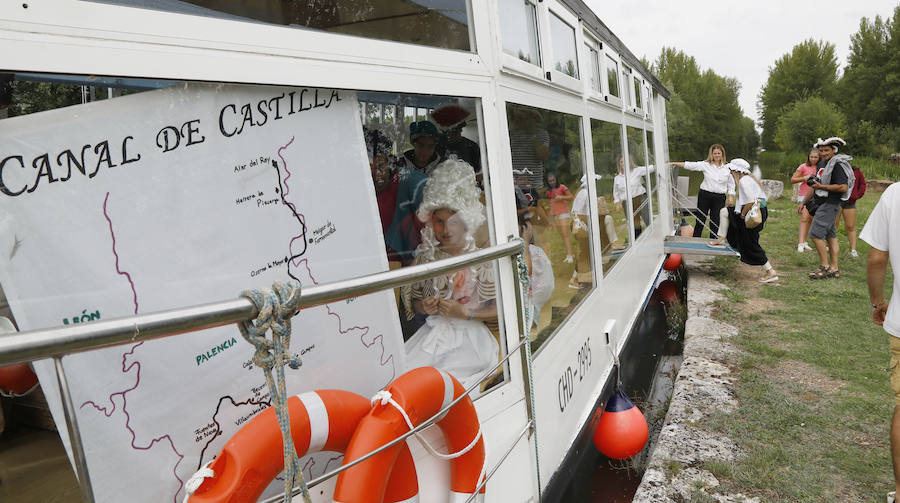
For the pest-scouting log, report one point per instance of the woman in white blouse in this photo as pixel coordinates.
(717, 183)
(732, 227)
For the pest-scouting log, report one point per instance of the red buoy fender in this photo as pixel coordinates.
(322, 420)
(668, 290)
(673, 261)
(17, 380)
(622, 430)
(421, 393)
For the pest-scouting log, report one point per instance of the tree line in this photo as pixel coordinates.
(805, 98)
(703, 109)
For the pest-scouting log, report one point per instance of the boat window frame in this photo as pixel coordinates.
(593, 54)
(608, 96)
(557, 77)
(516, 65)
(638, 89)
(156, 29)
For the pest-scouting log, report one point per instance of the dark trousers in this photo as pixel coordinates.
(708, 206)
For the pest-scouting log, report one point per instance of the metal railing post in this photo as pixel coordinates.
(527, 368)
(81, 468)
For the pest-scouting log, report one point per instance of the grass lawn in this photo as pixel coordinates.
(814, 389)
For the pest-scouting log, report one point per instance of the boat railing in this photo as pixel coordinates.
(58, 342)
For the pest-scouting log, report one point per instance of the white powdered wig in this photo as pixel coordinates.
(452, 186)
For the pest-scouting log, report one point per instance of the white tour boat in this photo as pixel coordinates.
(494, 161)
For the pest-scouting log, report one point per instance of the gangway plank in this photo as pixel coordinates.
(696, 246)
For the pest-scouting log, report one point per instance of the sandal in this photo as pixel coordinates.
(836, 274)
(821, 273)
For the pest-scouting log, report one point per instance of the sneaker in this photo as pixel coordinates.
(569, 259)
(801, 248)
(806, 247)
(890, 497)
(769, 278)
(854, 254)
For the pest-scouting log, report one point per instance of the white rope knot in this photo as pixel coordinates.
(196, 480)
(384, 396)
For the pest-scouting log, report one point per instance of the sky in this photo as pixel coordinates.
(737, 39)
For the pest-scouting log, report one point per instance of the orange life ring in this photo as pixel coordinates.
(322, 420)
(421, 393)
(17, 380)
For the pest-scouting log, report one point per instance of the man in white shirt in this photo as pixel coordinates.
(881, 232)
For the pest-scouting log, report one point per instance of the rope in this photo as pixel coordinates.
(683, 198)
(196, 480)
(384, 396)
(276, 307)
(525, 286)
(618, 366)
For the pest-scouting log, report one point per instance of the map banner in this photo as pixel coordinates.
(181, 196)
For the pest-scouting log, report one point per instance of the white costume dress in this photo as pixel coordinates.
(464, 348)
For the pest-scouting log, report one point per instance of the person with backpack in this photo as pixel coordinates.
(832, 184)
(848, 209)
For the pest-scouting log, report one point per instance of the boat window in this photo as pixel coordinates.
(654, 176)
(638, 179)
(594, 61)
(435, 23)
(172, 194)
(626, 91)
(612, 209)
(637, 94)
(553, 211)
(518, 28)
(612, 76)
(565, 56)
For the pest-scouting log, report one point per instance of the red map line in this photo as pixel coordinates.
(305, 262)
(112, 234)
(109, 412)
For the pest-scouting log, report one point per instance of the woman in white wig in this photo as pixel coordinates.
(732, 226)
(454, 337)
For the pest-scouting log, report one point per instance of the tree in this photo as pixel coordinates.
(810, 69)
(866, 90)
(703, 109)
(806, 120)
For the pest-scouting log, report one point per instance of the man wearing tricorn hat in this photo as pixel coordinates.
(832, 184)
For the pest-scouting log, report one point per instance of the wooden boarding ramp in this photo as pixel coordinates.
(696, 246)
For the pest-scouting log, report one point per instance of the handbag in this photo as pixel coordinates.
(753, 218)
(812, 204)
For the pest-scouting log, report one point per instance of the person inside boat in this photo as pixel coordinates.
(581, 222)
(454, 337)
(528, 208)
(717, 186)
(733, 228)
(529, 143)
(633, 188)
(452, 119)
(559, 197)
(423, 157)
(398, 191)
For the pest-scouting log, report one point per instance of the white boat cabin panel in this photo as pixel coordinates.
(446, 126)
